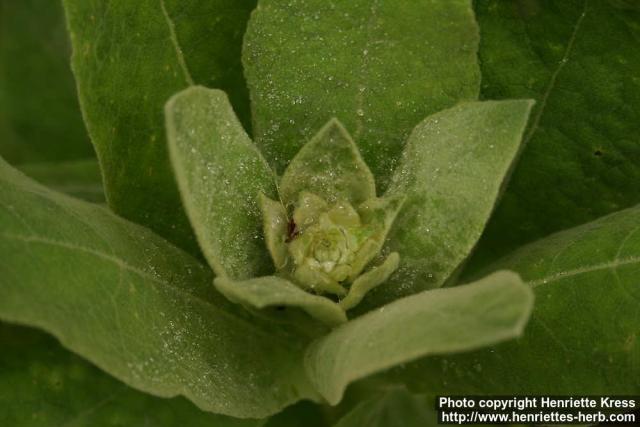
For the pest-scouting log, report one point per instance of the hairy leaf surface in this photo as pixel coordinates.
(453, 167)
(137, 307)
(220, 174)
(274, 291)
(129, 58)
(377, 66)
(434, 322)
(579, 59)
(583, 333)
(329, 166)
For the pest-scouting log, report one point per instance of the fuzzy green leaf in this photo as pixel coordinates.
(369, 280)
(452, 170)
(583, 333)
(378, 66)
(40, 118)
(41, 384)
(273, 291)
(139, 308)
(220, 174)
(382, 212)
(579, 59)
(329, 166)
(79, 178)
(440, 321)
(129, 58)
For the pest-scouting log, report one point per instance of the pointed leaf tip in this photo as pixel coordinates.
(442, 321)
(219, 174)
(453, 168)
(274, 291)
(74, 268)
(330, 166)
(387, 67)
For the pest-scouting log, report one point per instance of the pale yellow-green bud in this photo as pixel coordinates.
(325, 248)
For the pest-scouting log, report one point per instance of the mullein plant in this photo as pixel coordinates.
(327, 224)
(321, 240)
(258, 253)
(326, 230)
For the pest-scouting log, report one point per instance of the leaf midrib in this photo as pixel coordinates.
(126, 266)
(609, 265)
(535, 124)
(176, 44)
(364, 68)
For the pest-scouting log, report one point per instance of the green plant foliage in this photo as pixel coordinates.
(579, 60)
(583, 333)
(41, 384)
(452, 169)
(378, 66)
(40, 119)
(136, 306)
(164, 331)
(259, 269)
(494, 309)
(274, 291)
(220, 174)
(129, 58)
(329, 166)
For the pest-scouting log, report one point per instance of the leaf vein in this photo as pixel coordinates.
(550, 333)
(359, 112)
(583, 270)
(176, 44)
(123, 265)
(102, 255)
(552, 81)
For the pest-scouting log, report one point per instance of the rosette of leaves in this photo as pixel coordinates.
(322, 222)
(250, 266)
(318, 241)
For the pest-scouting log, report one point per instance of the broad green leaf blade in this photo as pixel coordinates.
(273, 291)
(129, 58)
(393, 408)
(580, 60)
(451, 172)
(40, 119)
(78, 178)
(41, 384)
(137, 307)
(583, 333)
(329, 166)
(220, 175)
(378, 66)
(434, 322)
